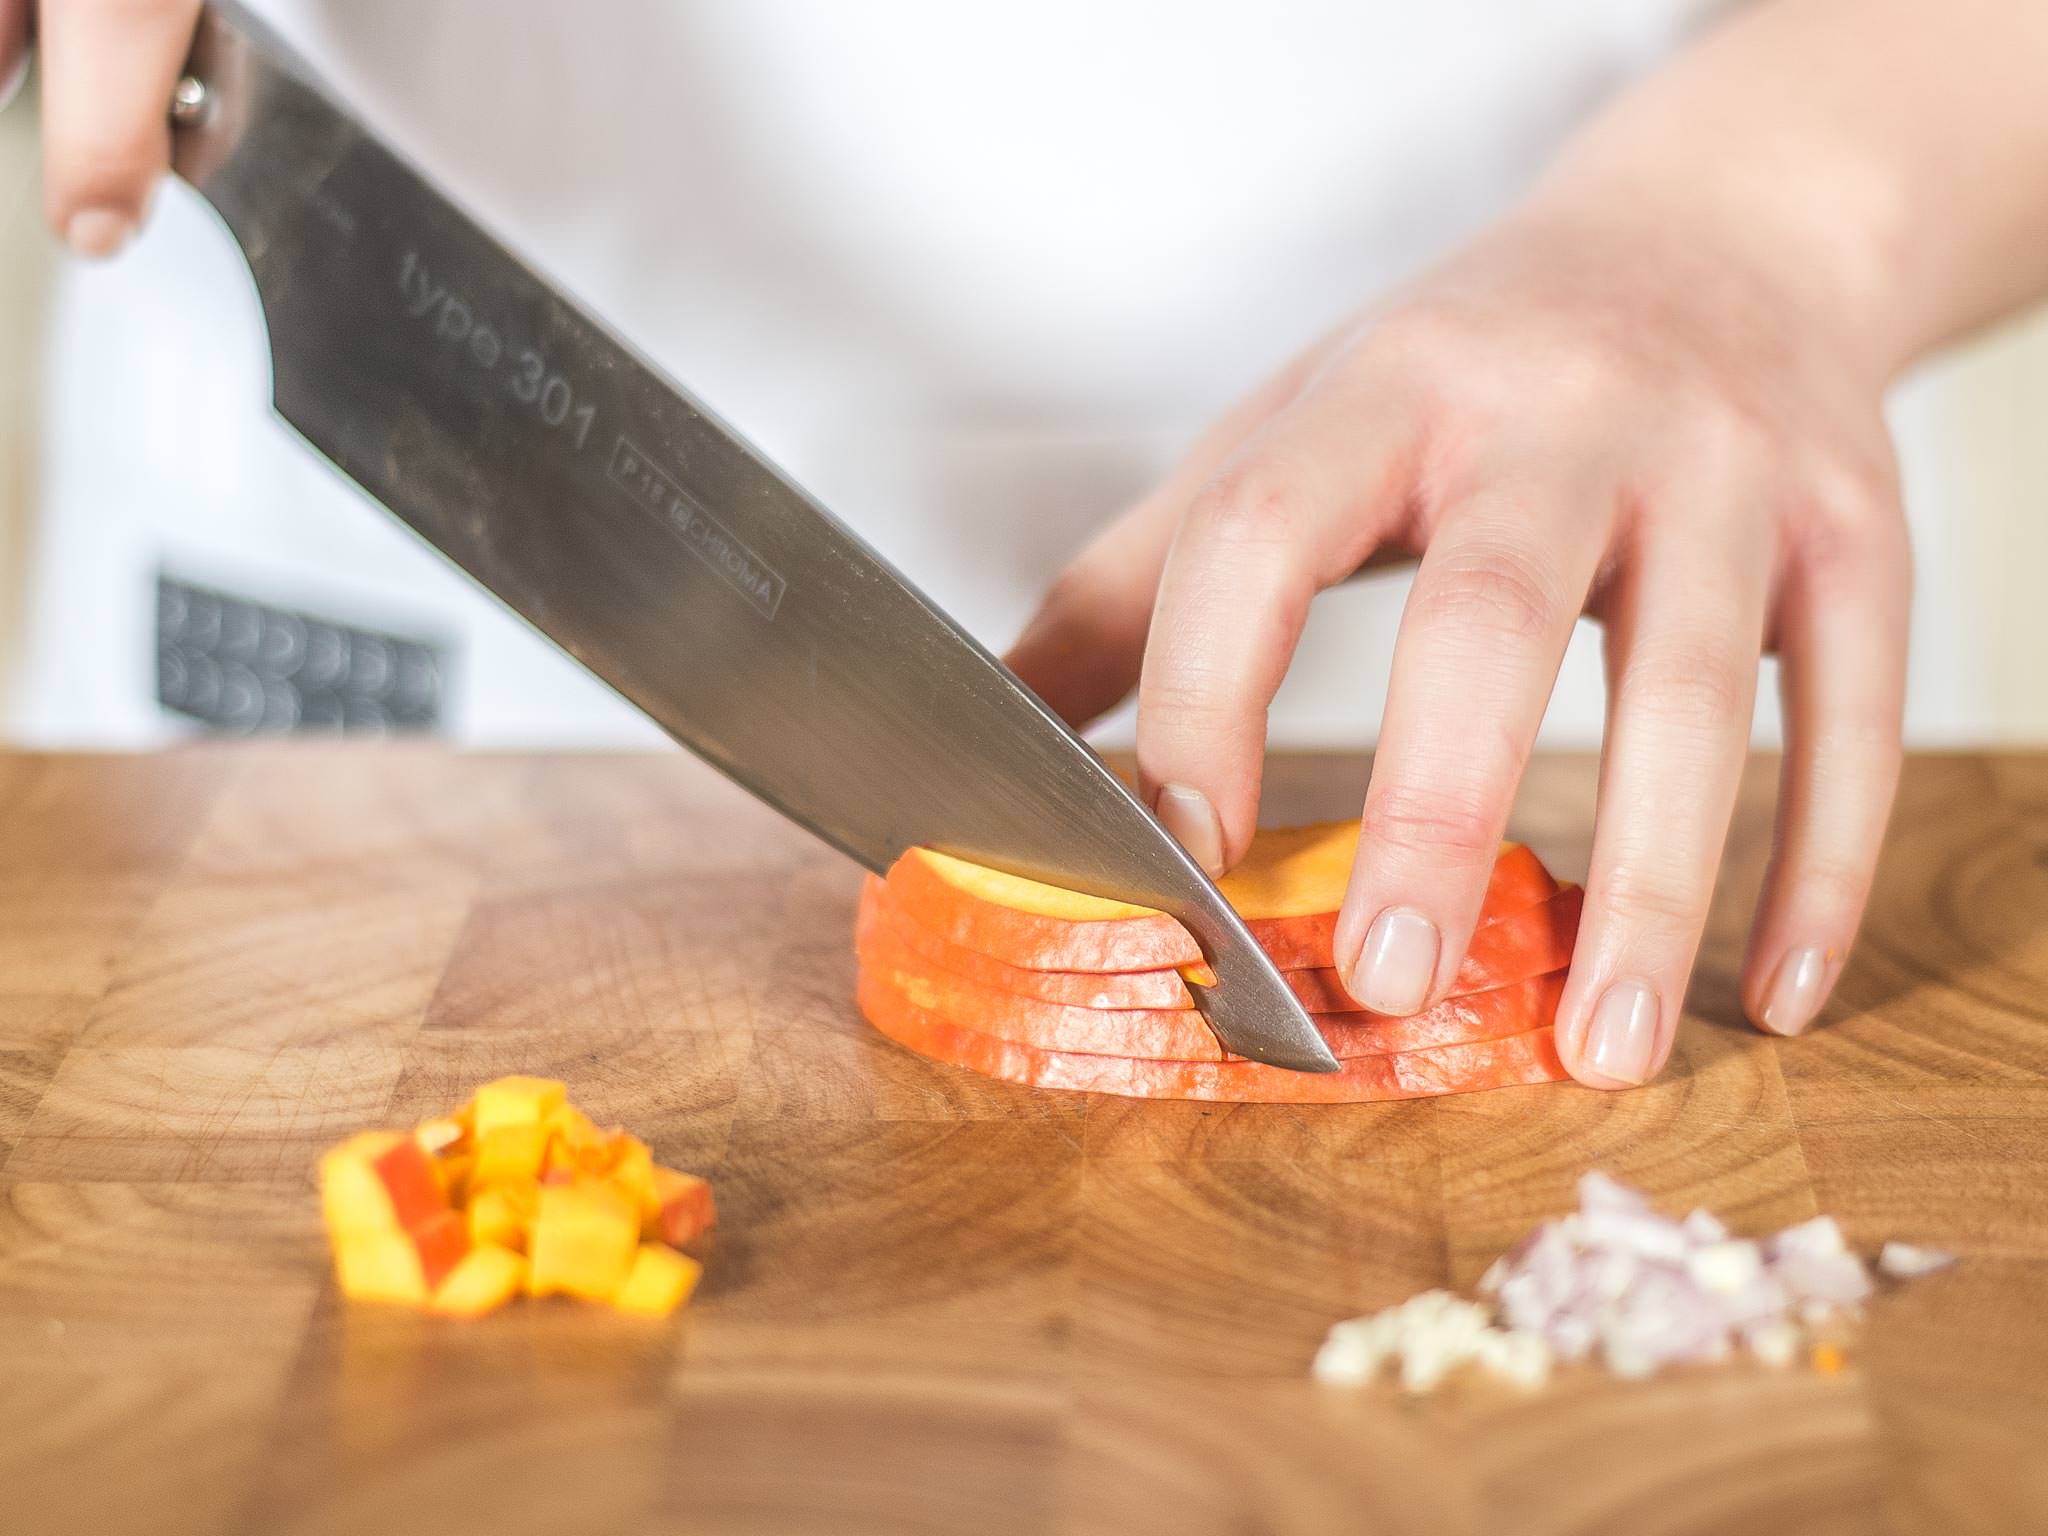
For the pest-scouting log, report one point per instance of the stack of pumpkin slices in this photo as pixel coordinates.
(1034, 984)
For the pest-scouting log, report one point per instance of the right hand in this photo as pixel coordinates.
(108, 70)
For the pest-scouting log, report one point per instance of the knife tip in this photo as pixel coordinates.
(1320, 1059)
(1311, 1055)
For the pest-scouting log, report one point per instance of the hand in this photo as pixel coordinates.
(108, 69)
(1576, 414)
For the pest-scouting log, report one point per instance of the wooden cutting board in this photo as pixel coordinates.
(937, 1304)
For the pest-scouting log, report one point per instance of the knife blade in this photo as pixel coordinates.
(623, 520)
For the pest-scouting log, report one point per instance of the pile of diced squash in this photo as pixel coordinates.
(515, 1192)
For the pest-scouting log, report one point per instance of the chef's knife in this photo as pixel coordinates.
(631, 526)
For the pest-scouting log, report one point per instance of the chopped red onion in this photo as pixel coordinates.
(1904, 1261)
(1725, 1268)
(1639, 1232)
(1601, 1192)
(1774, 1342)
(1638, 1287)
(1818, 1238)
(1704, 1226)
(1837, 1279)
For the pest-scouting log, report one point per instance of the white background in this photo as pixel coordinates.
(972, 273)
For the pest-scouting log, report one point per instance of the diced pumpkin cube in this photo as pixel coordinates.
(679, 1209)
(659, 1281)
(396, 1266)
(379, 1181)
(579, 1147)
(442, 1135)
(454, 1172)
(486, 1279)
(631, 1168)
(584, 1238)
(565, 1163)
(573, 1128)
(508, 1154)
(379, 1266)
(441, 1243)
(516, 1101)
(502, 1214)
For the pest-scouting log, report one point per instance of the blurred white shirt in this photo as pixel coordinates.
(974, 274)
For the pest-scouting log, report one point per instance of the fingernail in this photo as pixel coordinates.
(1621, 1040)
(1189, 816)
(1397, 965)
(1795, 991)
(11, 86)
(98, 233)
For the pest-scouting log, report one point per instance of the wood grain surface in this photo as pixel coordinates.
(937, 1304)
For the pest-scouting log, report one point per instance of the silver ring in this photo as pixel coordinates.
(189, 100)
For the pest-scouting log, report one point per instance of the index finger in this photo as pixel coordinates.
(1295, 511)
(109, 67)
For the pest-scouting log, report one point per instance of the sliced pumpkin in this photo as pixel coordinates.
(1288, 889)
(1503, 951)
(1181, 1034)
(1530, 1057)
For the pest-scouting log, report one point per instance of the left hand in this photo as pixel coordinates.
(1585, 411)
